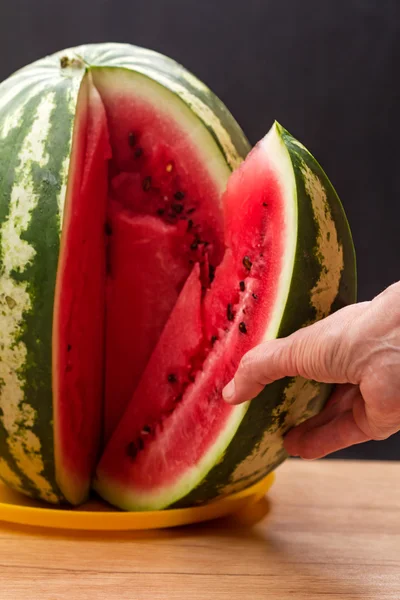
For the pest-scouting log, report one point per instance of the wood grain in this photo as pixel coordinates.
(331, 530)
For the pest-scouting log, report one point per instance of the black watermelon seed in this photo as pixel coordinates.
(190, 211)
(229, 312)
(138, 152)
(190, 225)
(140, 444)
(265, 204)
(131, 450)
(247, 263)
(211, 272)
(107, 228)
(255, 296)
(131, 139)
(194, 245)
(178, 208)
(213, 339)
(242, 327)
(172, 378)
(146, 430)
(242, 286)
(160, 211)
(69, 347)
(146, 185)
(108, 263)
(179, 195)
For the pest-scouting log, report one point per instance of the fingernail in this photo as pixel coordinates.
(229, 391)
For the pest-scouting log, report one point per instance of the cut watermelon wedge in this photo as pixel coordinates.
(78, 334)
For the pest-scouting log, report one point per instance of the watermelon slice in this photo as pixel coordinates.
(78, 334)
(135, 272)
(175, 430)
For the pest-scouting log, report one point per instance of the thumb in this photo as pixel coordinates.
(320, 352)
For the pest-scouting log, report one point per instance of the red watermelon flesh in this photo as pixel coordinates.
(147, 270)
(170, 364)
(142, 209)
(156, 170)
(168, 461)
(78, 335)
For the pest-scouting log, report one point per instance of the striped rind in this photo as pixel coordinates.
(34, 151)
(37, 115)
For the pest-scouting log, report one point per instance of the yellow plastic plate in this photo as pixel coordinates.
(97, 516)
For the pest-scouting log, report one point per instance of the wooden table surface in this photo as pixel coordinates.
(331, 529)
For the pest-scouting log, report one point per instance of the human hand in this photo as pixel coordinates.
(358, 348)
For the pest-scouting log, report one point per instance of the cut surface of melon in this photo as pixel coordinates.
(142, 210)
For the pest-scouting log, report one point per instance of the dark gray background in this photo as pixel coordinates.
(327, 70)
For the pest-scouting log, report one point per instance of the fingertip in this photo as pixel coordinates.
(293, 441)
(291, 447)
(295, 448)
(228, 393)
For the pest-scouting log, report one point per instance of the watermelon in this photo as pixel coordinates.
(135, 271)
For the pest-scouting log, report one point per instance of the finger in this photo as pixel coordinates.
(319, 352)
(380, 417)
(340, 401)
(340, 432)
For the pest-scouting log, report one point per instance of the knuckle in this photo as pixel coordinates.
(352, 352)
(379, 434)
(381, 423)
(343, 355)
(252, 366)
(315, 354)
